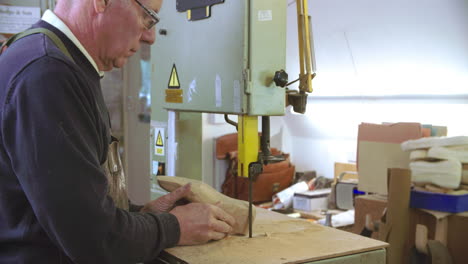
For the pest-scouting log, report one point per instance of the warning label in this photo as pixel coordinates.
(159, 141)
(174, 96)
(173, 79)
(174, 93)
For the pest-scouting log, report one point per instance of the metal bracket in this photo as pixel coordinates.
(255, 168)
(196, 9)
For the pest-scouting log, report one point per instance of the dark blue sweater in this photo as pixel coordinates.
(54, 136)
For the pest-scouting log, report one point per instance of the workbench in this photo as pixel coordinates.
(280, 239)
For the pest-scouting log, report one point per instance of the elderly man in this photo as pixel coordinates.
(55, 205)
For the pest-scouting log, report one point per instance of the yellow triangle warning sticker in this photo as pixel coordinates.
(174, 78)
(159, 140)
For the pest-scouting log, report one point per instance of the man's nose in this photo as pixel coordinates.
(148, 36)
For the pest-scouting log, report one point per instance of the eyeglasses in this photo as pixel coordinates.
(151, 17)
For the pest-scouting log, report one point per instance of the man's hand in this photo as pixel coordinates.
(167, 202)
(200, 223)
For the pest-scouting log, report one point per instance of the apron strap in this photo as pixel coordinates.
(55, 39)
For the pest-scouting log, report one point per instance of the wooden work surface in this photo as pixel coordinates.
(278, 239)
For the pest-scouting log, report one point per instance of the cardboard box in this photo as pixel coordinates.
(450, 229)
(311, 200)
(379, 149)
(394, 228)
(457, 237)
(373, 205)
(436, 223)
(399, 227)
(349, 171)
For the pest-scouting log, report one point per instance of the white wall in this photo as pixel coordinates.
(375, 47)
(366, 50)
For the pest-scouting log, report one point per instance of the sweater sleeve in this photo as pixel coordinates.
(52, 140)
(134, 207)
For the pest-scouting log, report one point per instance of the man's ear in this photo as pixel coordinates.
(100, 5)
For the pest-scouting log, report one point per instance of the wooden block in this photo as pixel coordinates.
(436, 189)
(373, 205)
(203, 193)
(464, 179)
(345, 167)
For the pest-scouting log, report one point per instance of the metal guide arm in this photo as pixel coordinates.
(298, 99)
(306, 56)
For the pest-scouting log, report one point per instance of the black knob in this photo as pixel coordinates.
(281, 78)
(162, 32)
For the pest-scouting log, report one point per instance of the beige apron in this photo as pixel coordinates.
(116, 176)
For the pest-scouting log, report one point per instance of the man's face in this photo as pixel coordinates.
(125, 29)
